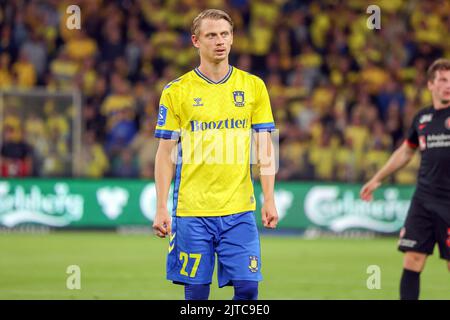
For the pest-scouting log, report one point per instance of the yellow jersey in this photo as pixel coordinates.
(213, 124)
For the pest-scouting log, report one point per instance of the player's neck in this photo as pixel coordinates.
(438, 105)
(214, 71)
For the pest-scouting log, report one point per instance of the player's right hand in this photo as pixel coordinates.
(162, 223)
(367, 190)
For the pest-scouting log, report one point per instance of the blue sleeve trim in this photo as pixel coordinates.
(167, 134)
(269, 126)
(177, 180)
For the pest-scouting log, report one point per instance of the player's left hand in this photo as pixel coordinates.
(162, 223)
(269, 215)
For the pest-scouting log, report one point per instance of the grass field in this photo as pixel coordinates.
(115, 266)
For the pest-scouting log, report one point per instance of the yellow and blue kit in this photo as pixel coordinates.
(213, 197)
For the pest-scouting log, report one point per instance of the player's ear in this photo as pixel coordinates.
(430, 85)
(195, 41)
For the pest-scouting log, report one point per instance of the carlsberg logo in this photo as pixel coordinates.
(55, 209)
(326, 208)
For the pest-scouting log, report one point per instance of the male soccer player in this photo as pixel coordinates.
(428, 219)
(209, 114)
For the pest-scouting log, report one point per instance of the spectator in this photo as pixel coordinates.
(121, 133)
(6, 78)
(389, 93)
(125, 165)
(112, 46)
(307, 116)
(94, 162)
(394, 124)
(23, 71)
(7, 43)
(63, 70)
(80, 46)
(34, 48)
(16, 156)
(144, 145)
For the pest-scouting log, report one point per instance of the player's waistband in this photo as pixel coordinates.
(212, 213)
(432, 195)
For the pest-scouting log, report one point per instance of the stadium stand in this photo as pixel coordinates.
(342, 94)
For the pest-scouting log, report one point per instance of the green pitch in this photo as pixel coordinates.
(117, 266)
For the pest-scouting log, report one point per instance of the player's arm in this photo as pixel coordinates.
(164, 168)
(167, 129)
(400, 158)
(266, 162)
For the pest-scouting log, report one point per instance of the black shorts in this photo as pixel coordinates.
(424, 227)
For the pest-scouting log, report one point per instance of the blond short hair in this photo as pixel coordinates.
(213, 14)
(439, 64)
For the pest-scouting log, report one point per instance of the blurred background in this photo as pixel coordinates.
(82, 103)
(339, 90)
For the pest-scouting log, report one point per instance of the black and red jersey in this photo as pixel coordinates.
(430, 132)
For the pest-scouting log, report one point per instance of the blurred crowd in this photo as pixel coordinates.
(343, 95)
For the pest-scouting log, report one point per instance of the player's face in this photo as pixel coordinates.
(440, 86)
(214, 40)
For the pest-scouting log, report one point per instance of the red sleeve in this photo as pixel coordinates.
(411, 144)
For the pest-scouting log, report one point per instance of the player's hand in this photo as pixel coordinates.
(367, 190)
(162, 223)
(269, 215)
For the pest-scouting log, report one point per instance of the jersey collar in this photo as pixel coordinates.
(224, 79)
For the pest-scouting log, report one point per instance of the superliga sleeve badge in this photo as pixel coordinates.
(162, 115)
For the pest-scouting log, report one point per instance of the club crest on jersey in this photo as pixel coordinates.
(426, 118)
(253, 264)
(422, 142)
(447, 123)
(198, 102)
(238, 97)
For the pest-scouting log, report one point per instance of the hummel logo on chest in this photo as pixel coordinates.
(198, 102)
(426, 118)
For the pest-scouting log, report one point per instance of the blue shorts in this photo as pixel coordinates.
(195, 241)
